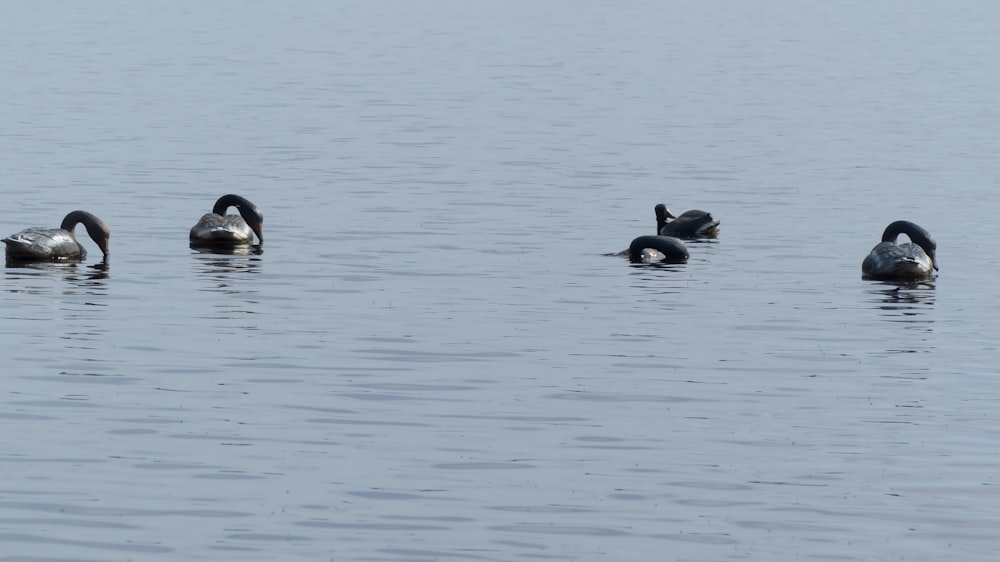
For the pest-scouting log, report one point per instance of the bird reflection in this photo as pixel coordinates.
(87, 279)
(229, 273)
(226, 272)
(908, 305)
(639, 268)
(657, 278)
(904, 301)
(215, 265)
(240, 250)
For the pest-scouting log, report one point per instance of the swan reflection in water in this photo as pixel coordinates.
(212, 263)
(232, 278)
(908, 309)
(659, 281)
(245, 250)
(908, 302)
(228, 273)
(86, 278)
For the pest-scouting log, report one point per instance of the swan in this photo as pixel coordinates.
(219, 229)
(646, 249)
(58, 243)
(912, 260)
(690, 224)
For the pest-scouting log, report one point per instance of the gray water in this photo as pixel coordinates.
(433, 358)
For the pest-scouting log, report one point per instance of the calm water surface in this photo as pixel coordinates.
(433, 359)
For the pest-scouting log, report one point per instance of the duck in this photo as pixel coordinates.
(913, 260)
(219, 229)
(688, 226)
(649, 249)
(41, 244)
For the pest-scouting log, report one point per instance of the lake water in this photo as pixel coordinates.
(433, 358)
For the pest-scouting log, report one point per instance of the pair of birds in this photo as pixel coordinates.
(888, 260)
(215, 229)
(667, 244)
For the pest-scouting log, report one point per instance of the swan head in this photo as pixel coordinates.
(101, 236)
(662, 214)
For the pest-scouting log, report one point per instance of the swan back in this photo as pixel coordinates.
(43, 244)
(689, 225)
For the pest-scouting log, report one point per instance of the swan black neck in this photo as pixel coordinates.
(673, 249)
(916, 233)
(98, 231)
(662, 214)
(250, 213)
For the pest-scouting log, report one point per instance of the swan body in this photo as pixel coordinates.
(219, 229)
(913, 260)
(689, 225)
(648, 249)
(39, 244)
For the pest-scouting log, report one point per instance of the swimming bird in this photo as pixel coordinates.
(35, 244)
(912, 260)
(690, 224)
(219, 229)
(647, 249)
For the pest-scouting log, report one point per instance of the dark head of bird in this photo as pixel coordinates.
(662, 214)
